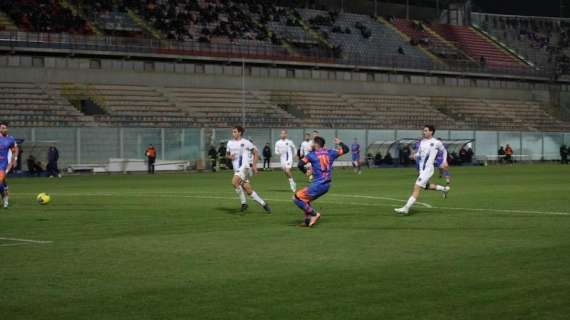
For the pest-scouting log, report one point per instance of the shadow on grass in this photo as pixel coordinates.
(232, 211)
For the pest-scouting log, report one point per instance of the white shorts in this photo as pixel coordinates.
(286, 164)
(424, 177)
(244, 173)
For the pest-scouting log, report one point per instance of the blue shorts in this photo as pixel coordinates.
(313, 192)
(3, 166)
(355, 157)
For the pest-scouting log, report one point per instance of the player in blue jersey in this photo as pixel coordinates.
(321, 160)
(355, 153)
(7, 145)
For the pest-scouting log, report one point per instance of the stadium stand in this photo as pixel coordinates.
(543, 41)
(223, 107)
(27, 104)
(481, 49)
(44, 16)
(421, 35)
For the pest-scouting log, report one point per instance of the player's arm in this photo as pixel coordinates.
(255, 160)
(229, 155)
(293, 149)
(442, 148)
(344, 149)
(14, 149)
(277, 149)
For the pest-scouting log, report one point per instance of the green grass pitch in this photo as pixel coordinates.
(175, 247)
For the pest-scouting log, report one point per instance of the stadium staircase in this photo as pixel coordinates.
(476, 45)
(402, 27)
(144, 25)
(78, 12)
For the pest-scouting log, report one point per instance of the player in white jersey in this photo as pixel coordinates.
(244, 158)
(306, 148)
(286, 150)
(427, 152)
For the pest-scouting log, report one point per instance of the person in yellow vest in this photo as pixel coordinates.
(150, 154)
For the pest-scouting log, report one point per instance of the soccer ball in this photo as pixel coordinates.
(43, 198)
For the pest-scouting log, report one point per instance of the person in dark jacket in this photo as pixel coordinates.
(213, 154)
(53, 158)
(267, 157)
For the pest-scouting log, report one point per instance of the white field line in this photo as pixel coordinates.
(25, 240)
(207, 196)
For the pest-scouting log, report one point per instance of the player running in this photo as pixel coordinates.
(240, 150)
(322, 161)
(355, 151)
(427, 152)
(286, 149)
(8, 159)
(441, 164)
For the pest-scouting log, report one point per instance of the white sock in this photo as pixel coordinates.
(241, 195)
(439, 188)
(291, 181)
(410, 203)
(257, 199)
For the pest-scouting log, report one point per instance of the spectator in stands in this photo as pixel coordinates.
(267, 157)
(401, 50)
(564, 154)
(501, 154)
(53, 158)
(482, 61)
(150, 154)
(213, 154)
(508, 154)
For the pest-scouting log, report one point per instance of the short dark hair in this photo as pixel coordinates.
(320, 141)
(3, 123)
(240, 129)
(430, 128)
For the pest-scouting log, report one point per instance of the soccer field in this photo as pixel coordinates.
(176, 247)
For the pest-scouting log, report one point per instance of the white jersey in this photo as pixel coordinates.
(306, 147)
(251, 157)
(286, 149)
(427, 152)
(241, 150)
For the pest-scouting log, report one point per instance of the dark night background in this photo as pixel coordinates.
(551, 8)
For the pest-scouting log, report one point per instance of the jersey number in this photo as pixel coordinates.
(325, 163)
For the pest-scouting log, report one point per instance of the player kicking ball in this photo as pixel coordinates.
(286, 150)
(8, 158)
(427, 153)
(321, 160)
(240, 151)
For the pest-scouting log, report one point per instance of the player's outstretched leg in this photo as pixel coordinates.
(303, 201)
(443, 189)
(249, 190)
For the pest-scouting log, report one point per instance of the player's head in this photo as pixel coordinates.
(355, 140)
(429, 131)
(283, 134)
(318, 143)
(315, 134)
(238, 132)
(307, 136)
(3, 128)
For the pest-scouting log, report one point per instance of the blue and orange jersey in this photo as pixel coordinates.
(6, 144)
(322, 163)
